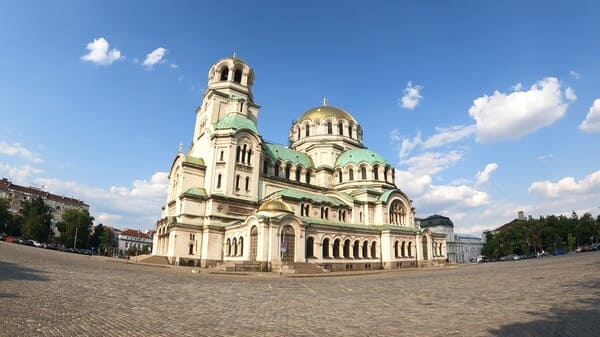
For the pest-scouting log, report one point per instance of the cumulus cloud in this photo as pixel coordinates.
(174, 66)
(99, 53)
(154, 57)
(570, 94)
(412, 96)
(484, 176)
(592, 120)
(16, 149)
(430, 163)
(567, 186)
(443, 136)
(136, 205)
(511, 116)
(18, 174)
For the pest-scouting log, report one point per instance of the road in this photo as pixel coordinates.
(49, 293)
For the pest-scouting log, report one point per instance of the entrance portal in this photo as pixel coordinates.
(288, 243)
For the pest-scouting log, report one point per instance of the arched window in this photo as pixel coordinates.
(403, 249)
(221, 156)
(374, 250)
(329, 128)
(336, 248)
(249, 156)
(219, 178)
(326, 247)
(351, 174)
(308, 173)
(310, 242)
(298, 134)
(298, 173)
(287, 171)
(238, 154)
(376, 172)
(277, 168)
(397, 214)
(237, 76)
(409, 252)
(350, 130)
(237, 182)
(265, 167)
(241, 246)
(385, 173)
(347, 249)
(365, 250)
(340, 179)
(243, 154)
(356, 249)
(396, 249)
(363, 173)
(307, 130)
(340, 129)
(235, 249)
(247, 183)
(224, 73)
(228, 248)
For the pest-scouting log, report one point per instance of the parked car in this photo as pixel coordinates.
(2, 237)
(511, 257)
(559, 252)
(482, 259)
(11, 239)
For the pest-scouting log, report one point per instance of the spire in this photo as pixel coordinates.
(324, 101)
(180, 147)
(234, 54)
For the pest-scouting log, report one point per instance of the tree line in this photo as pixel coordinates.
(546, 233)
(35, 223)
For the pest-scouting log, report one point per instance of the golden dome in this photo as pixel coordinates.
(324, 112)
(275, 206)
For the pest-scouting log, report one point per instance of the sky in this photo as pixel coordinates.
(484, 108)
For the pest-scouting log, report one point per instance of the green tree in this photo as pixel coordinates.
(571, 242)
(6, 218)
(101, 239)
(37, 219)
(76, 222)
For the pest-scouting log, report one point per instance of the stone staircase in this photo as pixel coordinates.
(299, 268)
(235, 266)
(155, 259)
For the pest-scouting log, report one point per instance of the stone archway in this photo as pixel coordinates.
(290, 239)
(425, 248)
(253, 243)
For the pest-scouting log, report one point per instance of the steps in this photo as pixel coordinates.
(235, 266)
(155, 259)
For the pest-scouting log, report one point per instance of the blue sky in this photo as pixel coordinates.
(484, 108)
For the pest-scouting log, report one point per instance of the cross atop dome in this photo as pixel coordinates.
(324, 101)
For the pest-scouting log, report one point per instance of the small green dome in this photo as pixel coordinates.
(236, 122)
(358, 156)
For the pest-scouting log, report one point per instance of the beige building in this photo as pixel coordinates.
(325, 202)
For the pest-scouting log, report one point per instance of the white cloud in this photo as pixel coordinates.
(444, 195)
(570, 94)
(443, 137)
(484, 176)
(99, 53)
(16, 149)
(430, 163)
(121, 206)
(511, 116)
(545, 156)
(20, 174)
(592, 120)
(412, 96)
(154, 57)
(174, 66)
(575, 74)
(567, 187)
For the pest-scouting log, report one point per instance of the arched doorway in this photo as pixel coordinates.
(289, 238)
(253, 243)
(425, 249)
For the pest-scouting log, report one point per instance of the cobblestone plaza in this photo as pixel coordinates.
(49, 293)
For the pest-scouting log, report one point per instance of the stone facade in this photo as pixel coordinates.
(324, 201)
(460, 248)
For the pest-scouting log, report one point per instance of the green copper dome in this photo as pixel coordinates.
(358, 156)
(236, 122)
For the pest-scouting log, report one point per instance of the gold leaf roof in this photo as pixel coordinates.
(275, 206)
(324, 112)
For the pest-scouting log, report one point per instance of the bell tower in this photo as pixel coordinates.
(229, 90)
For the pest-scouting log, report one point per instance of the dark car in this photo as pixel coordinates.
(558, 252)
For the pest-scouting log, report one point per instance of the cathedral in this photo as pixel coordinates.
(323, 203)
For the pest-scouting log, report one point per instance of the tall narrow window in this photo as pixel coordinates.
(219, 181)
(237, 76)
(351, 174)
(249, 156)
(221, 156)
(350, 130)
(308, 177)
(265, 167)
(363, 173)
(277, 169)
(237, 154)
(247, 183)
(287, 172)
(243, 154)
(298, 135)
(376, 172)
(237, 182)
(340, 129)
(298, 172)
(307, 131)
(224, 74)
(329, 128)
(340, 176)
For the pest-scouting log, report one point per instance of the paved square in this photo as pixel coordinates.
(48, 293)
